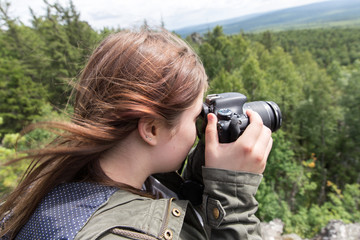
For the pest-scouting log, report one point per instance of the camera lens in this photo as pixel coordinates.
(268, 111)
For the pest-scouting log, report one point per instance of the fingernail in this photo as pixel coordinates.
(210, 117)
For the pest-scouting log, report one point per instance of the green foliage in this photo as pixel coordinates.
(10, 175)
(326, 45)
(271, 206)
(38, 62)
(348, 147)
(10, 140)
(52, 51)
(288, 190)
(13, 143)
(20, 97)
(227, 82)
(253, 78)
(308, 221)
(39, 137)
(219, 51)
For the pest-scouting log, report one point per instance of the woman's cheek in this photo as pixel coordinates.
(195, 133)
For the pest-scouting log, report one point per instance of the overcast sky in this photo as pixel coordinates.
(175, 13)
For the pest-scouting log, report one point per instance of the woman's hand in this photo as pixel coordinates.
(248, 153)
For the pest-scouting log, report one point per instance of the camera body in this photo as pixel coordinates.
(230, 109)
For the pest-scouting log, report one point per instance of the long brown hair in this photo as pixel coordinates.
(129, 76)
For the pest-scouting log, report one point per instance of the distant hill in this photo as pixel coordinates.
(333, 13)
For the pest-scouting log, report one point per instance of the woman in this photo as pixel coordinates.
(135, 109)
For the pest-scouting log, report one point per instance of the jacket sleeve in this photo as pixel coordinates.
(229, 204)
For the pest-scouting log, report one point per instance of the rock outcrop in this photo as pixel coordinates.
(334, 230)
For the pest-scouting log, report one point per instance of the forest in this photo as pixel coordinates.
(312, 175)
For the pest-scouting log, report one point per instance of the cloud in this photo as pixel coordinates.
(175, 13)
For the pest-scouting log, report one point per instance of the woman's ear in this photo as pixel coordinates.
(149, 130)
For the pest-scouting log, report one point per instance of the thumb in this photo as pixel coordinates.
(211, 135)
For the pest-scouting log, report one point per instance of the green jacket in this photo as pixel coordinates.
(227, 212)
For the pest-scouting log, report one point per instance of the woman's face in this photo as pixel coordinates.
(176, 143)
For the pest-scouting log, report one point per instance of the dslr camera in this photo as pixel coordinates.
(230, 109)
